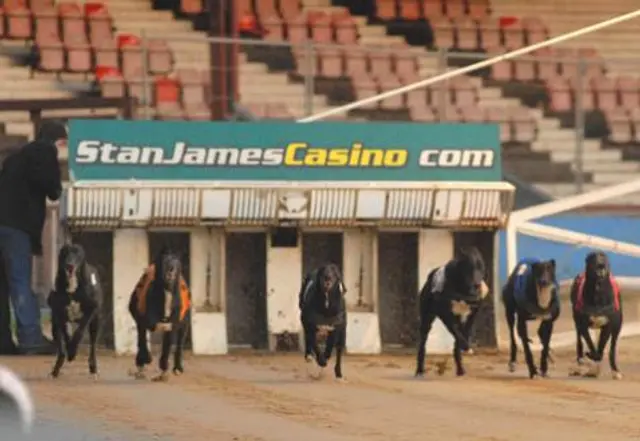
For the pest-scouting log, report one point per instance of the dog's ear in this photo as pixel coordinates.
(553, 263)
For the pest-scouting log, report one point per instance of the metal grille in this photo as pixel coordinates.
(97, 207)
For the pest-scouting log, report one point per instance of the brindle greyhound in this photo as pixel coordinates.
(597, 303)
(161, 302)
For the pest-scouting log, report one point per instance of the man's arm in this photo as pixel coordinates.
(44, 171)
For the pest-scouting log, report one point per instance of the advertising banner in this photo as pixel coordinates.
(113, 150)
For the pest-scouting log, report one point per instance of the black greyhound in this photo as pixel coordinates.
(531, 293)
(76, 298)
(453, 293)
(323, 315)
(597, 304)
(161, 302)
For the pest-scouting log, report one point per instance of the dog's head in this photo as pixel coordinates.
(543, 274)
(71, 261)
(470, 271)
(329, 278)
(171, 269)
(597, 266)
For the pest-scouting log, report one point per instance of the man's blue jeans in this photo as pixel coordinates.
(15, 247)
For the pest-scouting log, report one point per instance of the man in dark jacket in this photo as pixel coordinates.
(29, 176)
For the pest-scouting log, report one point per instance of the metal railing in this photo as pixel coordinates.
(278, 79)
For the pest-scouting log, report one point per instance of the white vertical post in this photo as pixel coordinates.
(130, 259)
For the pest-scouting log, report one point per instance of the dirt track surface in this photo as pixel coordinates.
(269, 398)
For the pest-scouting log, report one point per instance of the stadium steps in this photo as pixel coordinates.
(558, 142)
(191, 51)
(562, 16)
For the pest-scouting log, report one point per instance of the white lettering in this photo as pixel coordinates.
(88, 152)
(457, 158)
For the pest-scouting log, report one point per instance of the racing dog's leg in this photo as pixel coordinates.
(594, 368)
(524, 338)
(93, 339)
(510, 312)
(579, 345)
(616, 326)
(58, 329)
(74, 342)
(545, 331)
(426, 321)
(340, 338)
(178, 367)
(163, 363)
(143, 355)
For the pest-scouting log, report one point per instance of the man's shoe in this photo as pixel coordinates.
(46, 347)
(9, 349)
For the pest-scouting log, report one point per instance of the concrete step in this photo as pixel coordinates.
(142, 27)
(612, 167)
(542, 145)
(33, 94)
(561, 190)
(596, 156)
(613, 178)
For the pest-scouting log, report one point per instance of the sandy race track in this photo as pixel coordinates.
(255, 398)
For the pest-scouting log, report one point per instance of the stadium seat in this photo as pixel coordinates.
(455, 8)
(273, 28)
(330, 63)
(197, 112)
(524, 69)
(514, 36)
(78, 51)
(288, 8)
(132, 63)
(99, 25)
(160, 58)
(559, 92)
(389, 83)
(380, 63)
(535, 30)
(355, 62)
(417, 99)
(467, 31)
(191, 6)
(502, 70)
(524, 125)
(444, 33)
(141, 88)
(478, 9)
(500, 115)
(45, 21)
(409, 10)
(605, 91)
(51, 53)
(386, 9)
(306, 63)
(432, 9)
(490, 36)
(169, 112)
(346, 31)
(18, 22)
(297, 29)
(472, 114)
(166, 90)
(321, 27)
(364, 87)
(106, 53)
(451, 114)
(73, 23)
(406, 64)
(466, 94)
(422, 114)
(619, 126)
(547, 64)
(628, 89)
(193, 87)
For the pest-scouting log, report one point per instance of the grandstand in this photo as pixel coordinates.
(158, 52)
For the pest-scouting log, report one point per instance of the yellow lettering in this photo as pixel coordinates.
(315, 157)
(395, 158)
(338, 157)
(290, 153)
(356, 150)
(374, 158)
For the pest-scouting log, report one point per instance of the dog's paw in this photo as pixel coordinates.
(575, 371)
(341, 380)
(512, 366)
(94, 377)
(534, 375)
(593, 371)
(616, 375)
(53, 375)
(162, 377)
(469, 352)
(138, 374)
(177, 371)
(544, 375)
